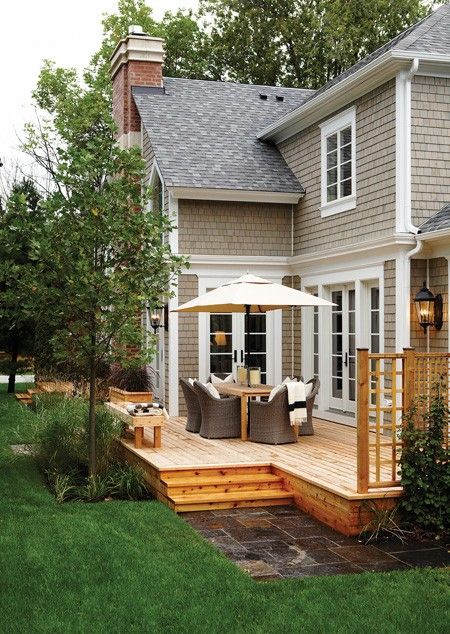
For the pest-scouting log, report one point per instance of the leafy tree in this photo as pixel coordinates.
(301, 43)
(99, 255)
(19, 215)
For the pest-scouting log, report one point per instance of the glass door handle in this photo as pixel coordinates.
(242, 356)
(235, 356)
(346, 359)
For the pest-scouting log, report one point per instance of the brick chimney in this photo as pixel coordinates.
(137, 61)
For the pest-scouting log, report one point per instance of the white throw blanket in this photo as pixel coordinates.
(297, 402)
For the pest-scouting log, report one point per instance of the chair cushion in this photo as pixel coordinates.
(275, 391)
(308, 389)
(217, 379)
(212, 390)
(191, 381)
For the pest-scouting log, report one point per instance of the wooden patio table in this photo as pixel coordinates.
(245, 393)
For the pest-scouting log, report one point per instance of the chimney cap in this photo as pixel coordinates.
(136, 29)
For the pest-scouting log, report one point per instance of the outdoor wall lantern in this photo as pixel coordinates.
(429, 308)
(156, 317)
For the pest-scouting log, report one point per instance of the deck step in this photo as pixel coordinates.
(205, 472)
(232, 496)
(241, 482)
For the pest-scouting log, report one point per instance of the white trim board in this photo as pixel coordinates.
(173, 319)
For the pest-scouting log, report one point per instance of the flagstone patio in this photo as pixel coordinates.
(283, 542)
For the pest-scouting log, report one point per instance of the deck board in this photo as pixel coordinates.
(327, 459)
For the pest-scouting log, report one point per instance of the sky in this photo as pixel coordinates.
(66, 31)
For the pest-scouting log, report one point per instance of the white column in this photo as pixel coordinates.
(402, 298)
(173, 318)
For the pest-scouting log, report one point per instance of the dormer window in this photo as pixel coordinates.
(338, 189)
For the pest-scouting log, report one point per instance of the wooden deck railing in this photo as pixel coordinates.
(387, 384)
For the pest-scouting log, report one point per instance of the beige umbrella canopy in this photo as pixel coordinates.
(250, 294)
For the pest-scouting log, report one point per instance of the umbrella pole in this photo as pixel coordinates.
(247, 330)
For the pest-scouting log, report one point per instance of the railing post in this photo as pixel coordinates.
(408, 378)
(362, 420)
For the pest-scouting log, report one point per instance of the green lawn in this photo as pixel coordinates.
(137, 567)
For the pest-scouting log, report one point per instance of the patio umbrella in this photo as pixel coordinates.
(250, 294)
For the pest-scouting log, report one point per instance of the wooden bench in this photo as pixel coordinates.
(138, 423)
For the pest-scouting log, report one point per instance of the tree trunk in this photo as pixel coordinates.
(14, 356)
(92, 399)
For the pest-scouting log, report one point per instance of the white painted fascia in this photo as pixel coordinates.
(434, 235)
(359, 83)
(238, 195)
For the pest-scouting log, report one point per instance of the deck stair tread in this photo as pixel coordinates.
(240, 478)
(225, 496)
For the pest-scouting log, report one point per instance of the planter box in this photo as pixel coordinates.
(123, 396)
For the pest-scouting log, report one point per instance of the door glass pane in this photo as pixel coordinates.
(220, 344)
(336, 339)
(258, 343)
(351, 344)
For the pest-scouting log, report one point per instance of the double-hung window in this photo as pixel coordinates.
(338, 187)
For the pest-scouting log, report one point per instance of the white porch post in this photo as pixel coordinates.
(172, 388)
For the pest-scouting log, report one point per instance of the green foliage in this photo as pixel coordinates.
(296, 42)
(425, 473)
(384, 523)
(62, 435)
(20, 214)
(126, 482)
(131, 379)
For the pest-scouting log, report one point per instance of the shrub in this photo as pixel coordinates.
(131, 379)
(62, 452)
(62, 435)
(424, 465)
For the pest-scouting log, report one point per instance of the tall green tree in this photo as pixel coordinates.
(20, 214)
(100, 255)
(302, 43)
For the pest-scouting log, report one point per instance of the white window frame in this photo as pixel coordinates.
(333, 126)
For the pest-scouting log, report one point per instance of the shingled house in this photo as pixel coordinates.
(343, 192)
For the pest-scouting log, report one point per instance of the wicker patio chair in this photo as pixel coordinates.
(307, 428)
(269, 421)
(194, 414)
(221, 417)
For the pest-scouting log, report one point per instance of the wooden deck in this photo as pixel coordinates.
(318, 473)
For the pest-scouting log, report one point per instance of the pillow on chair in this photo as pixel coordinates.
(289, 380)
(308, 389)
(212, 390)
(191, 381)
(217, 379)
(275, 391)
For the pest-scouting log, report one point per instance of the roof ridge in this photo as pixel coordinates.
(237, 83)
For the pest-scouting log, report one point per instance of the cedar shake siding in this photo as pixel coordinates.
(389, 306)
(188, 335)
(374, 215)
(438, 276)
(234, 228)
(291, 337)
(430, 146)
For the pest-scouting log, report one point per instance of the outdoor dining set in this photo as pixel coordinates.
(240, 411)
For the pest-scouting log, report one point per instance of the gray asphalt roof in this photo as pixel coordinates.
(203, 134)
(440, 220)
(430, 35)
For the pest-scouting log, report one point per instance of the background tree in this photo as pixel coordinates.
(302, 43)
(20, 214)
(99, 255)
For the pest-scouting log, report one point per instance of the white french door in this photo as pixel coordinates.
(343, 348)
(227, 342)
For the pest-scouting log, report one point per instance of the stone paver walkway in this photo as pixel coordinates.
(283, 542)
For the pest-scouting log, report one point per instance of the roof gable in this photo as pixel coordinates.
(203, 134)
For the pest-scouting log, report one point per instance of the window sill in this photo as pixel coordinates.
(338, 206)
